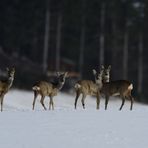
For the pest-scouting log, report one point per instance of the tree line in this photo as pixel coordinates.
(39, 36)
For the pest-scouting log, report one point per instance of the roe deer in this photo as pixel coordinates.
(120, 88)
(88, 87)
(44, 88)
(5, 85)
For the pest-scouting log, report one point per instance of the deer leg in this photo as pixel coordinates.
(76, 99)
(34, 100)
(83, 98)
(129, 96)
(98, 100)
(132, 101)
(123, 101)
(42, 101)
(2, 99)
(106, 101)
(51, 103)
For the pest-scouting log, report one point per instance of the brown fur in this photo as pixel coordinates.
(88, 87)
(44, 88)
(121, 88)
(5, 85)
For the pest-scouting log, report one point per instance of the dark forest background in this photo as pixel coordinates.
(40, 37)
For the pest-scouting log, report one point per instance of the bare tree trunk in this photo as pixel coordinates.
(102, 21)
(114, 50)
(58, 41)
(82, 39)
(125, 53)
(140, 64)
(81, 58)
(46, 38)
(34, 46)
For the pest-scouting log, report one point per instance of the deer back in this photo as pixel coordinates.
(45, 88)
(86, 86)
(50, 89)
(116, 87)
(3, 87)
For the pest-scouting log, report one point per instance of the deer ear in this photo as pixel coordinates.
(109, 67)
(66, 74)
(58, 73)
(102, 67)
(94, 71)
(7, 68)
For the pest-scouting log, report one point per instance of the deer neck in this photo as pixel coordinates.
(99, 83)
(106, 79)
(10, 81)
(60, 85)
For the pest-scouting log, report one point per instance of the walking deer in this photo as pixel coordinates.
(121, 88)
(5, 85)
(88, 87)
(49, 89)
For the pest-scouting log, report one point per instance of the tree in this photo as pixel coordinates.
(102, 23)
(47, 35)
(82, 38)
(58, 41)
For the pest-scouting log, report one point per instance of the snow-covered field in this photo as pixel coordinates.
(20, 127)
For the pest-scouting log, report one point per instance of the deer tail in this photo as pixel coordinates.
(35, 88)
(77, 86)
(130, 87)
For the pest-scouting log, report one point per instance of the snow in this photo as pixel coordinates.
(65, 127)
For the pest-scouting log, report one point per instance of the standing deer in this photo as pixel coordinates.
(88, 87)
(120, 88)
(5, 85)
(44, 88)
